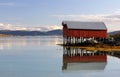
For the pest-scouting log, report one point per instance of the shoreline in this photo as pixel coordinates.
(97, 47)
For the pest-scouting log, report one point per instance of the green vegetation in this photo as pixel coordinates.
(116, 36)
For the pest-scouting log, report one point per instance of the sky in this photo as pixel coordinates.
(43, 15)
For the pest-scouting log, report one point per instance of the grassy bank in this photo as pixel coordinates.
(97, 47)
(2, 35)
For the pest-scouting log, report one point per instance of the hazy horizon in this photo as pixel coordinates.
(48, 14)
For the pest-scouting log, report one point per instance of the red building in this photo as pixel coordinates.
(75, 30)
(79, 59)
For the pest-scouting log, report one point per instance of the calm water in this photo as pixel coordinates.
(41, 57)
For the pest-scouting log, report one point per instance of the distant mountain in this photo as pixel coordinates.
(37, 33)
(114, 32)
(30, 33)
(54, 32)
(115, 35)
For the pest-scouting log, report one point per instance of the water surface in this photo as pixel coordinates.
(39, 56)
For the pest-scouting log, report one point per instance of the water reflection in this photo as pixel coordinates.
(80, 59)
(9, 42)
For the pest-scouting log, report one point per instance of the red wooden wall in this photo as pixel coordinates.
(95, 58)
(84, 33)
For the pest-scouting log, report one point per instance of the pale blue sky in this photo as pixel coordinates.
(41, 13)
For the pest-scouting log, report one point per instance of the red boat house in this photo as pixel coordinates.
(76, 31)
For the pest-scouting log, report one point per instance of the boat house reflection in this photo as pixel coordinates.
(80, 59)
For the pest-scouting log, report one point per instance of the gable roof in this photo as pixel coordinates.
(85, 25)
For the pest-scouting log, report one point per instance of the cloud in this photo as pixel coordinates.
(12, 4)
(99, 17)
(7, 4)
(112, 21)
(12, 19)
(6, 26)
(48, 27)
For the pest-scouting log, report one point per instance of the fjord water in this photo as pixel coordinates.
(40, 56)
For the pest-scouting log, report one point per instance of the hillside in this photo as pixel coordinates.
(114, 32)
(115, 35)
(30, 33)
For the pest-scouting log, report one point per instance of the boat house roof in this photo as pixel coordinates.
(85, 25)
